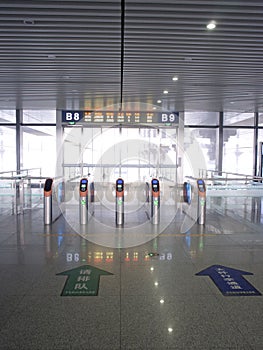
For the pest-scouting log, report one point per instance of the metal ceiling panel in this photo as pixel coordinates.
(217, 70)
(91, 54)
(63, 54)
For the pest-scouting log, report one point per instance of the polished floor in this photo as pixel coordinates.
(146, 302)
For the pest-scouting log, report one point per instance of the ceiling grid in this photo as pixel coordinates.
(63, 54)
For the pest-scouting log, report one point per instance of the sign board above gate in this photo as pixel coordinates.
(115, 117)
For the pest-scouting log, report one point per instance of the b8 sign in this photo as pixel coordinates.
(71, 116)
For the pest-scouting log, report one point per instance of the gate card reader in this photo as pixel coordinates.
(119, 188)
(201, 187)
(83, 187)
(155, 188)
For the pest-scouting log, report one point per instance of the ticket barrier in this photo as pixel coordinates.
(119, 202)
(83, 201)
(155, 201)
(19, 195)
(187, 192)
(48, 201)
(54, 197)
(201, 205)
(147, 192)
(92, 197)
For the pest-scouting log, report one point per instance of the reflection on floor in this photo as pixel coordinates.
(152, 299)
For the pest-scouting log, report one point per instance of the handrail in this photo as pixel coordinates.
(224, 176)
(18, 172)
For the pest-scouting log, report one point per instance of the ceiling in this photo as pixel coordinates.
(92, 54)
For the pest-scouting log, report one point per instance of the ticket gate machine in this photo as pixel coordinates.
(155, 201)
(201, 205)
(119, 202)
(83, 201)
(48, 201)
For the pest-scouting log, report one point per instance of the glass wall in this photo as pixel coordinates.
(201, 118)
(206, 140)
(238, 119)
(7, 116)
(133, 153)
(39, 116)
(38, 142)
(238, 152)
(39, 148)
(7, 148)
(260, 119)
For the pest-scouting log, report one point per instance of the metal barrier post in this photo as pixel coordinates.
(155, 201)
(92, 197)
(83, 201)
(119, 202)
(201, 205)
(48, 201)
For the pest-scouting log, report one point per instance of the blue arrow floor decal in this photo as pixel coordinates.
(230, 281)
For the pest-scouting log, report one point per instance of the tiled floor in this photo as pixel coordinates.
(147, 303)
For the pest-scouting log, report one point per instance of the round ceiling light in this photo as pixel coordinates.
(211, 25)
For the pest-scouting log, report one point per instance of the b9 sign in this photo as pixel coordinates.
(169, 117)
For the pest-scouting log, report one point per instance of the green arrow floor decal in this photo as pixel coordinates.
(82, 281)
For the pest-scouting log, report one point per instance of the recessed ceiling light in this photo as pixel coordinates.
(211, 25)
(51, 57)
(175, 78)
(29, 22)
(165, 92)
(159, 101)
(154, 107)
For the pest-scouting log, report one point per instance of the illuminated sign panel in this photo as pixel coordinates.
(115, 117)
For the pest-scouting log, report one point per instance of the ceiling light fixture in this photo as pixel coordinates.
(211, 25)
(51, 57)
(159, 101)
(165, 92)
(175, 78)
(29, 22)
